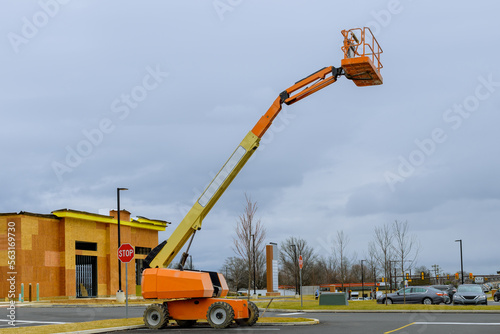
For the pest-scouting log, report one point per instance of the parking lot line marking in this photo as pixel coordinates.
(400, 328)
(291, 313)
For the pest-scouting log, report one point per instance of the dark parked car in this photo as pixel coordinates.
(449, 289)
(470, 294)
(414, 295)
(496, 296)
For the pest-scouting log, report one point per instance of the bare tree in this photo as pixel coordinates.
(342, 241)
(290, 250)
(249, 240)
(235, 272)
(372, 264)
(405, 246)
(326, 270)
(382, 248)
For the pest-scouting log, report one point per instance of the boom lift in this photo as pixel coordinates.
(195, 295)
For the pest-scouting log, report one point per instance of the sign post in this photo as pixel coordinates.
(301, 264)
(126, 254)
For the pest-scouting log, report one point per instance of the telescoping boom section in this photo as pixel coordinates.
(361, 64)
(203, 290)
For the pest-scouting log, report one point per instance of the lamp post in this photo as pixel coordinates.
(119, 239)
(295, 266)
(461, 260)
(253, 251)
(362, 281)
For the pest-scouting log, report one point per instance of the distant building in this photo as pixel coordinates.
(72, 253)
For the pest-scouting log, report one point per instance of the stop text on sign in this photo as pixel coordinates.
(125, 253)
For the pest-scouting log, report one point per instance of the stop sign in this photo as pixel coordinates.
(301, 262)
(126, 253)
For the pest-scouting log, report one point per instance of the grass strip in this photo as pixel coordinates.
(369, 305)
(73, 327)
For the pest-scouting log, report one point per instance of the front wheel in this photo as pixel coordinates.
(496, 298)
(253, 316)
(389, 301)
(156, 316)
(220, 315)
(427, 301)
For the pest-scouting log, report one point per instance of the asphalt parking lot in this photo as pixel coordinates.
(453, 320)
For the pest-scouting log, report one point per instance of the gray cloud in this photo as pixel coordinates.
(323, 165)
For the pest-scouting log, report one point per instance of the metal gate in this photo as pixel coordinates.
(86, 276)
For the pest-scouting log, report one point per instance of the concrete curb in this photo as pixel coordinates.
(105, 330)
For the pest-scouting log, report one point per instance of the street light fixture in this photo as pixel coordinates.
(461, 260)
(119, 239)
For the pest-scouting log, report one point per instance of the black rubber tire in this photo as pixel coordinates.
(220, 315)
(156, 316)
(389, 301)
(253, 316)
(496, 298)
(185, 323)
(427, 301)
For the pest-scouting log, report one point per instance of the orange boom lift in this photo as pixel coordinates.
(195, 295)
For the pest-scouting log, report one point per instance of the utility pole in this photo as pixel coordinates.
(461, 260)
(119, 238)
(436, 272)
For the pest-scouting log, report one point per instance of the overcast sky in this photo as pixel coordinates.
(155, 95)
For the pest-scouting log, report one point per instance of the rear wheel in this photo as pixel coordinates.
(253, 316)
(427, 301)
(156, 316)
(220, 315)
(496, 298)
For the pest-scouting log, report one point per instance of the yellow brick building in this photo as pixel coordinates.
(72, 253)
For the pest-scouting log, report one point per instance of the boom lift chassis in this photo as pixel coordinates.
(194, 295)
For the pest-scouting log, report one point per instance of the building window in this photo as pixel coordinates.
(142, 250)
(84, 245)
(139, 267)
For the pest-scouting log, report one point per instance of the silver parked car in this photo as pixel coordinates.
(470, 294)
(413, 295)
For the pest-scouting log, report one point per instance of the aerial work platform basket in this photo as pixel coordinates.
(361, 61)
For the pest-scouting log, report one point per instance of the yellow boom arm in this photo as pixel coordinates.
(164, 253)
